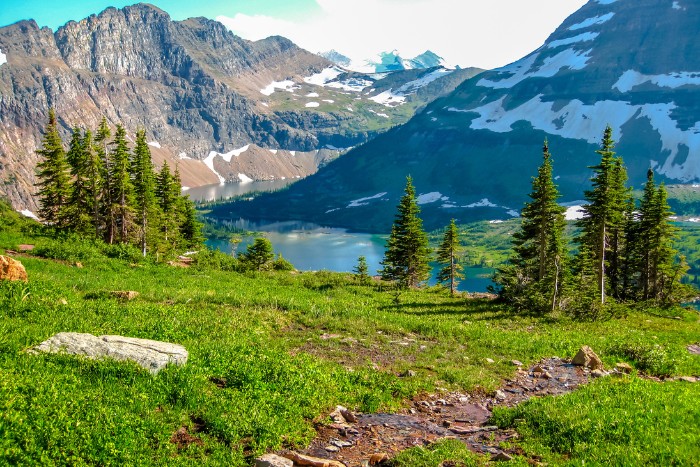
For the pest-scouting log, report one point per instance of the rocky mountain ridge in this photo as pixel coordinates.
(472, 152)
(193, 85)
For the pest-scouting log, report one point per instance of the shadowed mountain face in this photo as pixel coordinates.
(633, 64)
(221, 107)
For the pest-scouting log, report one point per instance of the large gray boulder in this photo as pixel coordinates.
(151, 355)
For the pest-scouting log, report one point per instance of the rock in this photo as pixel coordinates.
(502, 457)
(273, 460)
(517, 363)
(378, 458)
(25, 247)
(301, 459)
(500, 395)
(348, 416)
(337, 414)
(489, 360)
(688, 379)
(149, 354)
(694, 349)
(331, 448)
(125, 294)
(408, 374)
(587, 358)
(340, 443)
(538, 369)
(79, 265)
(12, 270)
(63, 301)
(623, 367)
(546, 375)
(597, 373)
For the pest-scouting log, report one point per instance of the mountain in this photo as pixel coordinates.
(633, 64)
(387, 62)
(201, 93)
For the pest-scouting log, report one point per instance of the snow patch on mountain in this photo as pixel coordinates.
(286, 85)
(388, 98)
(312, 104)
(677, 6)
(574, 213)
(483, 203)
(577, 120)
(324, 76)
(3, 58)
(209, 162)
(363, 201)
(605, 2)
(183, 156)
(431, 197)
(244, 178)
(312, 94)
(413, 86)
(155, 144)
(597, 20)
(631, 79)
(523, 69)
(27, 212)
(585, 37)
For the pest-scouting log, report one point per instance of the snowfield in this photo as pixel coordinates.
(3, 58)
(585, 37)
(522, 69)
(431, 197)
(630, 79)
(363, 201)
(286, 85)
(155, 144)
(592, 22)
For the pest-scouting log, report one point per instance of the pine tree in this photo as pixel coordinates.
(258, 255)
(190, 228)
(604, 215)
(80, 202)
(107, 207)
(54, 178)
(144, 188)
(534, 276)
(121, 188)
(167, 199)
(361, 271)
(407, 253)
(449, 255)
(93, 171)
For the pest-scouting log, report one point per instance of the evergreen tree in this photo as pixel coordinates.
(190, 228)
(604, 215)
(655, 254)
(121, 188)
(449, 255)
(258, 255)
(534, 276)
(144, 188)
(107, 206)
(407, 253)
(80, 205)
(53, 177)
(361, 271)
(93, 171)
(167, 199)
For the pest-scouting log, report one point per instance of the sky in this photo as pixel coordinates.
(482, 33)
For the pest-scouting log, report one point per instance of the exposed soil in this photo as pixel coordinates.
(355, 439)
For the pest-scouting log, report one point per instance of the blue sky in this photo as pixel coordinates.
(484, 33)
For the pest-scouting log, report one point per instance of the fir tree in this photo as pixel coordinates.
(144, 188)
(449, 255)
(121, 189)
(167, 199)
(93, 171)
(107, 206)
(407, 253)
(361, 270)
(533, 278)
(604, 215)
(258, 255)
(81, 202)
(190, 228)
(54, 178)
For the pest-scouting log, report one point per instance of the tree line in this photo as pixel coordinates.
(624, 251)
(103, 189)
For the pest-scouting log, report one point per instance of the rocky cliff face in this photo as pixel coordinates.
(633, 64)
(194, 86)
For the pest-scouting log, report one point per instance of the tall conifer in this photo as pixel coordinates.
(449, 254)
(144, 188)
(407, 255)
(53, 177)
(121, 189)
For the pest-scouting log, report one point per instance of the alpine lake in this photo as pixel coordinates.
(311, 247)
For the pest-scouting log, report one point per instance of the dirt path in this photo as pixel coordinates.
(366, 439)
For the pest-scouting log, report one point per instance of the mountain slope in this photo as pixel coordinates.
(199, 91)
(632, 64)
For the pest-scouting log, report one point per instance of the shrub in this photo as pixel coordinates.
(281, 264)
(648, 358)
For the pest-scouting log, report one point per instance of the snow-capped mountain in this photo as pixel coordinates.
(633, 64)
(385, 62)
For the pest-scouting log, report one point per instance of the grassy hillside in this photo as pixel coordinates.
(273, 353)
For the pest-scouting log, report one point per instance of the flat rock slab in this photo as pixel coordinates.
(151, 355)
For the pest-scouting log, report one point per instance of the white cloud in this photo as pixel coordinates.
(464, 33)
